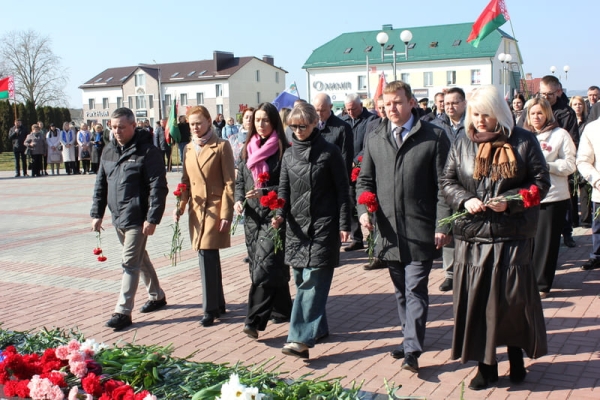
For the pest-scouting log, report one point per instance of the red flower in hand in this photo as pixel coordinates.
(182, 187)
(359, 158)
(101, 258)
(369, 199)
(97, 251)
(272, 201)
(355, 173)
(531, 197)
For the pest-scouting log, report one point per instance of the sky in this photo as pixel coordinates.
(90, 37)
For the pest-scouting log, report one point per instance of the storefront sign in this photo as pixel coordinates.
(141, 113)
(320, 86)
(96, 114)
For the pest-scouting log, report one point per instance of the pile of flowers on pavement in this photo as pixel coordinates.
(56, 364)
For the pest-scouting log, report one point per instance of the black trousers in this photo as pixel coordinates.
(265, 302)
(585, 203)
(37, 166)
(20, 159)
(547, 242)
(213, 298)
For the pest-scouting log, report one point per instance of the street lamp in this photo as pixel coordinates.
(405, 36)
(505, 59)
(553, 69)
(566, 68)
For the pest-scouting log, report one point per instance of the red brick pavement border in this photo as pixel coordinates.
(49, 277)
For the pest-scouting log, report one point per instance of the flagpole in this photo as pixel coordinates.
(520, 61)
(368, 80)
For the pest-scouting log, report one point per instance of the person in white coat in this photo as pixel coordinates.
(54, 155)
(559, 152)
(588, 164)
(67, 139)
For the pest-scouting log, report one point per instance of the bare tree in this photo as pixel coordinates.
(39, 77)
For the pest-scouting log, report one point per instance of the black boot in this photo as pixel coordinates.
(486, 374)
(517, 367)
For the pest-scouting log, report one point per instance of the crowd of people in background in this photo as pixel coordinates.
(422, 161)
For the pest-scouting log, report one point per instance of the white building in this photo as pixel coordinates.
(225, 85)
(439, 57)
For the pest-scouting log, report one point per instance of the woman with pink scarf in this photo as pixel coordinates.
(258, 174)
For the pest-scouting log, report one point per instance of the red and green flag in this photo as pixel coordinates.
(493, 16)
(7, 88)
(172, 130)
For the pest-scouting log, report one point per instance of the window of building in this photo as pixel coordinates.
(91, 104)
(130, 102)
(219, 90)
(119, 102)
(219, 108)
(257, 97)
(140, 80)
(105, 103)
(183, 99)
(168, 100)
(405, 77)
(450, 77)
(428, 78)
(362, 82)
(140, 101)
(475, 77)
(257, 75)
(276, 76)
(199, 98)
(150, 101)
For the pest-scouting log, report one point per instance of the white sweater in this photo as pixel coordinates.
(559, 151)
(588, 157)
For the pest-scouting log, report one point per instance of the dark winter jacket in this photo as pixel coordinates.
(458, 186)
(445, 123)
(339, 133)
(18, 136)
(405, 181)
(314, 185)
(359, 129)
(267, 268)
(131, 181)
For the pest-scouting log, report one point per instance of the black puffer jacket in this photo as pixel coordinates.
(132, 182)
(314, 184)
(267, 268)
(458, 186)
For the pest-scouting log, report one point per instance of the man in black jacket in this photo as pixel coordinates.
(17, 134)
(403, 160)
(358, 117)
(131, 181)
(333, 129)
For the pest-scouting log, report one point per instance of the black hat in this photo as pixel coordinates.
(424, 100)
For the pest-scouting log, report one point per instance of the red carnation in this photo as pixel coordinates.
(355, 173)
(142, 395)
(17, 389)
(359, 158)
(262, 179)
(91, 384)
(97, 251)
(124, 392)
(531, 197)
(101, 258)
(182, 187)
(177, 193)
(369, 199)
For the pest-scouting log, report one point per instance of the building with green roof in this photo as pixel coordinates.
(438, 57)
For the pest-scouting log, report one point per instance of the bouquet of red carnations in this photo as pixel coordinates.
(369, 199)
(274, 203)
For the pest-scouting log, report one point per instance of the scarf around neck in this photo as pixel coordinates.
(201, 141)
(257, 154)
(495, 157)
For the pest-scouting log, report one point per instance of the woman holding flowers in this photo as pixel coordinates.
(559, 151)
(314, 185)
(208, 174)
(496, 301)
(258, 173)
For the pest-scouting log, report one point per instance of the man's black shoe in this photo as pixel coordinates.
(376, 263)
(592, 263)
(207, 320)
(354, 246)
(410, 363)
(398, 352)
(446, 285)
(569, 242)
(279, 320)
(119, 321)
(153, 305)
(251, 331)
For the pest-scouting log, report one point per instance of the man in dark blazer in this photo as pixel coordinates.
(333, 129)
(402, 161)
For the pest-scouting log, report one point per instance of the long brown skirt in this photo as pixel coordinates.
(496, 301)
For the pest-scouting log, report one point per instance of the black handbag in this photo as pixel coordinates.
(85, 154)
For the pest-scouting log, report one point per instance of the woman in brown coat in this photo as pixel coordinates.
(208, 173)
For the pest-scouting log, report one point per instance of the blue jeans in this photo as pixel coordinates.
(595, 254)
(309, 319)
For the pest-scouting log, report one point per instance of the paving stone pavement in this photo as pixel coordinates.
(50, 278)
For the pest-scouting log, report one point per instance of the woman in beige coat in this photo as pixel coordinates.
(208, 172)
